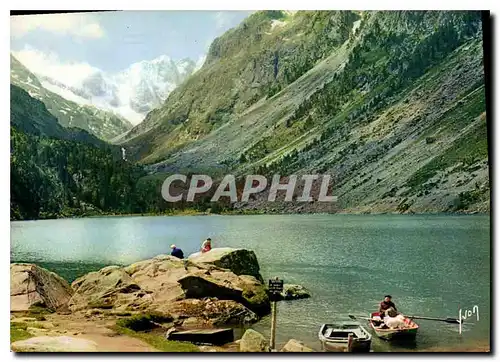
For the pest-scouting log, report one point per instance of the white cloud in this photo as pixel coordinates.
(70, 73)
(76, 24)
(222, 20)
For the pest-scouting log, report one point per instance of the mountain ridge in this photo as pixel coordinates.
(30, 115)
(240, 73)
(130, 93)
(342, 106)
(103, 124)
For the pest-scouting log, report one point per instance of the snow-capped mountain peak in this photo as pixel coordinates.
(132, 93)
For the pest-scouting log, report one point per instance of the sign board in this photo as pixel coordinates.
(275, 286)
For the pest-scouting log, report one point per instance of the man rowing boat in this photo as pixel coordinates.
(385, 305)
(389, 314)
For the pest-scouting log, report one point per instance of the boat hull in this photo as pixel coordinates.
(217, 337)
(400, 334)
(357, 346)
(408, 333)
(335, 338)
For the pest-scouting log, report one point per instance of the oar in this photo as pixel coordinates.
(354, 317)
(447, 320)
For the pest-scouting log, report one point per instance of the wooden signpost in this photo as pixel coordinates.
(275, 289)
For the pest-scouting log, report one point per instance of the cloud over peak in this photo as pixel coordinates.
(82, 25)
(50, 65)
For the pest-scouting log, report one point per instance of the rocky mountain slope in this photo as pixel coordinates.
(29, 115)
(131, 93)
(392, 104)
(103, 124)
(243, 66)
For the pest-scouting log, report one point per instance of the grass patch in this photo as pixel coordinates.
(39, 310)
(374, 55)
(18, 332)
(143, 322)
(36, 312)
(183, 212)
(37, 325)
(157, 341)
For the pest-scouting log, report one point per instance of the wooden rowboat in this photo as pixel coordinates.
(216, 337)
(382, 331)
(335, 337)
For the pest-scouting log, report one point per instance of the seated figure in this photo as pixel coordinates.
(394, 320)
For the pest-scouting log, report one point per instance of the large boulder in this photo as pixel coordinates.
(295, 346)
(253, 341)
(209, 312)
(31, 285)
(163, 280)
(159, 276)
(54, 344)
(294, 291)
(108, 288)
(200, 286)
(226, 285)
(239, 261)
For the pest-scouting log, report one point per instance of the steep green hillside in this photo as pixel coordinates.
(30, 115)
(390, 103)
(64, 172)
(103, 124)
(58, 171)
(54, 178)
(268, 51)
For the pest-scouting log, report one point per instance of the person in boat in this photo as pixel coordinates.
(206, 246)
(177, 252)
(394, 319)
(385, 305)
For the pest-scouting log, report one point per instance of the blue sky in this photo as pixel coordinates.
(111, 41)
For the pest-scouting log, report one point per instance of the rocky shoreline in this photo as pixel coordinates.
(220, 288)
(271, 211)
(133, 308)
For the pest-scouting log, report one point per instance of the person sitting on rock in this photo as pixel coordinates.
(206, 246)
(176, 252)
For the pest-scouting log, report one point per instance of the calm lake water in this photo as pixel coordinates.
(430, 264)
